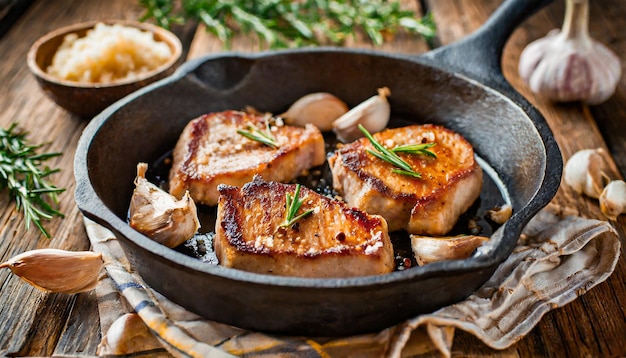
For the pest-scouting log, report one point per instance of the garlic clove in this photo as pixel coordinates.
(569, 65)
(432, 249)
(57, 270)
(613, 199)
(501, 214)
(585, 172)
(127, 335)
(373, 114)
(319, 109)
(159, 215)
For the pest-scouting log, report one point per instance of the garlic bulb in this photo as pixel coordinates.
(431, 249)
(613, 199)
(569, 65)
(160, 215)
(319, 109)
(57, 270)
(585, 172)
(373, 114)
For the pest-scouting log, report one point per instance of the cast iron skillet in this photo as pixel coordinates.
(460, 86)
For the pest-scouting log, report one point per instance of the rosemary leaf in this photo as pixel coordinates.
(22, 175)
(258, 135)
(415, 149)
(292, 205)
(407, 173)
(392, 158)
(286, 23)
(387, 155)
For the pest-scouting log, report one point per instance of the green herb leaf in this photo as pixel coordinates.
(286, 23)
(258, 135)
(292, 205)
(21, 174)
(415, 149)
(387, 155)
(407, 173)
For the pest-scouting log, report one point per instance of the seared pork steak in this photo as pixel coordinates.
(334, 240)
(212, 151)
(428, 205)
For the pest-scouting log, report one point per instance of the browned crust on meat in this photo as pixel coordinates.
(429, 205)
(211, 152)
(334, 241)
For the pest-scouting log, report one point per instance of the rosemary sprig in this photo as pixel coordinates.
(287, 23)
(415, 149)
(258, 135)
(20, 172)
(292, 205)
(392, 158)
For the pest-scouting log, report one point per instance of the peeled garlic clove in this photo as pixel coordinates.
(57, 270)
(585, 171)
(319, 109)
(432, 249)
(127, 335)
(373, 114)
(569, 65)
(613, 199)
(159, 215)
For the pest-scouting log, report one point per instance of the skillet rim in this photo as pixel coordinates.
(89, 202)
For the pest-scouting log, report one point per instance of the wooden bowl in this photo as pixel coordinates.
(88, 99)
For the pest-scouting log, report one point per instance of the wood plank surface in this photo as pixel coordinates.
(33, 323)
(594, 325)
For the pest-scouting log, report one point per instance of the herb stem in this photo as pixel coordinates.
(287, 23)
(258, 135)
(387, 155)
(26, 182)
(415, 149)
(392, 158)
(292, 205)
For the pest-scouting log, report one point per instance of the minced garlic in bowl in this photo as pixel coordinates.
(108, 53)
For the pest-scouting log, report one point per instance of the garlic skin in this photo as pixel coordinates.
(585, 172)
(569, 65)
(57, 270)
(501, 214)
(373, 114)
(320, 109)
(127, 335)
(613, 199)
(159, 215)
(432, 249)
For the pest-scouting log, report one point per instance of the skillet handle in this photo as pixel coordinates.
(478, 56)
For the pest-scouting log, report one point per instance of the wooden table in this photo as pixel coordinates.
(34, 323)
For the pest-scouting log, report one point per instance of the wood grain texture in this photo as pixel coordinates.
(595, 324)
(34, 323)
(10, 11)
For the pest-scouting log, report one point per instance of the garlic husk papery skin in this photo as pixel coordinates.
(159, 215)
(432, 249)
(613, 199)
(373, 114)
(127, 335)
(320, 109)
(586, 171)
(56, 270)
(500, 214)
(569, 65)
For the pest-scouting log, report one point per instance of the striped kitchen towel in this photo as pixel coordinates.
(558, 258)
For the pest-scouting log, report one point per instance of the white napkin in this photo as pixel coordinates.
(556, 260)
